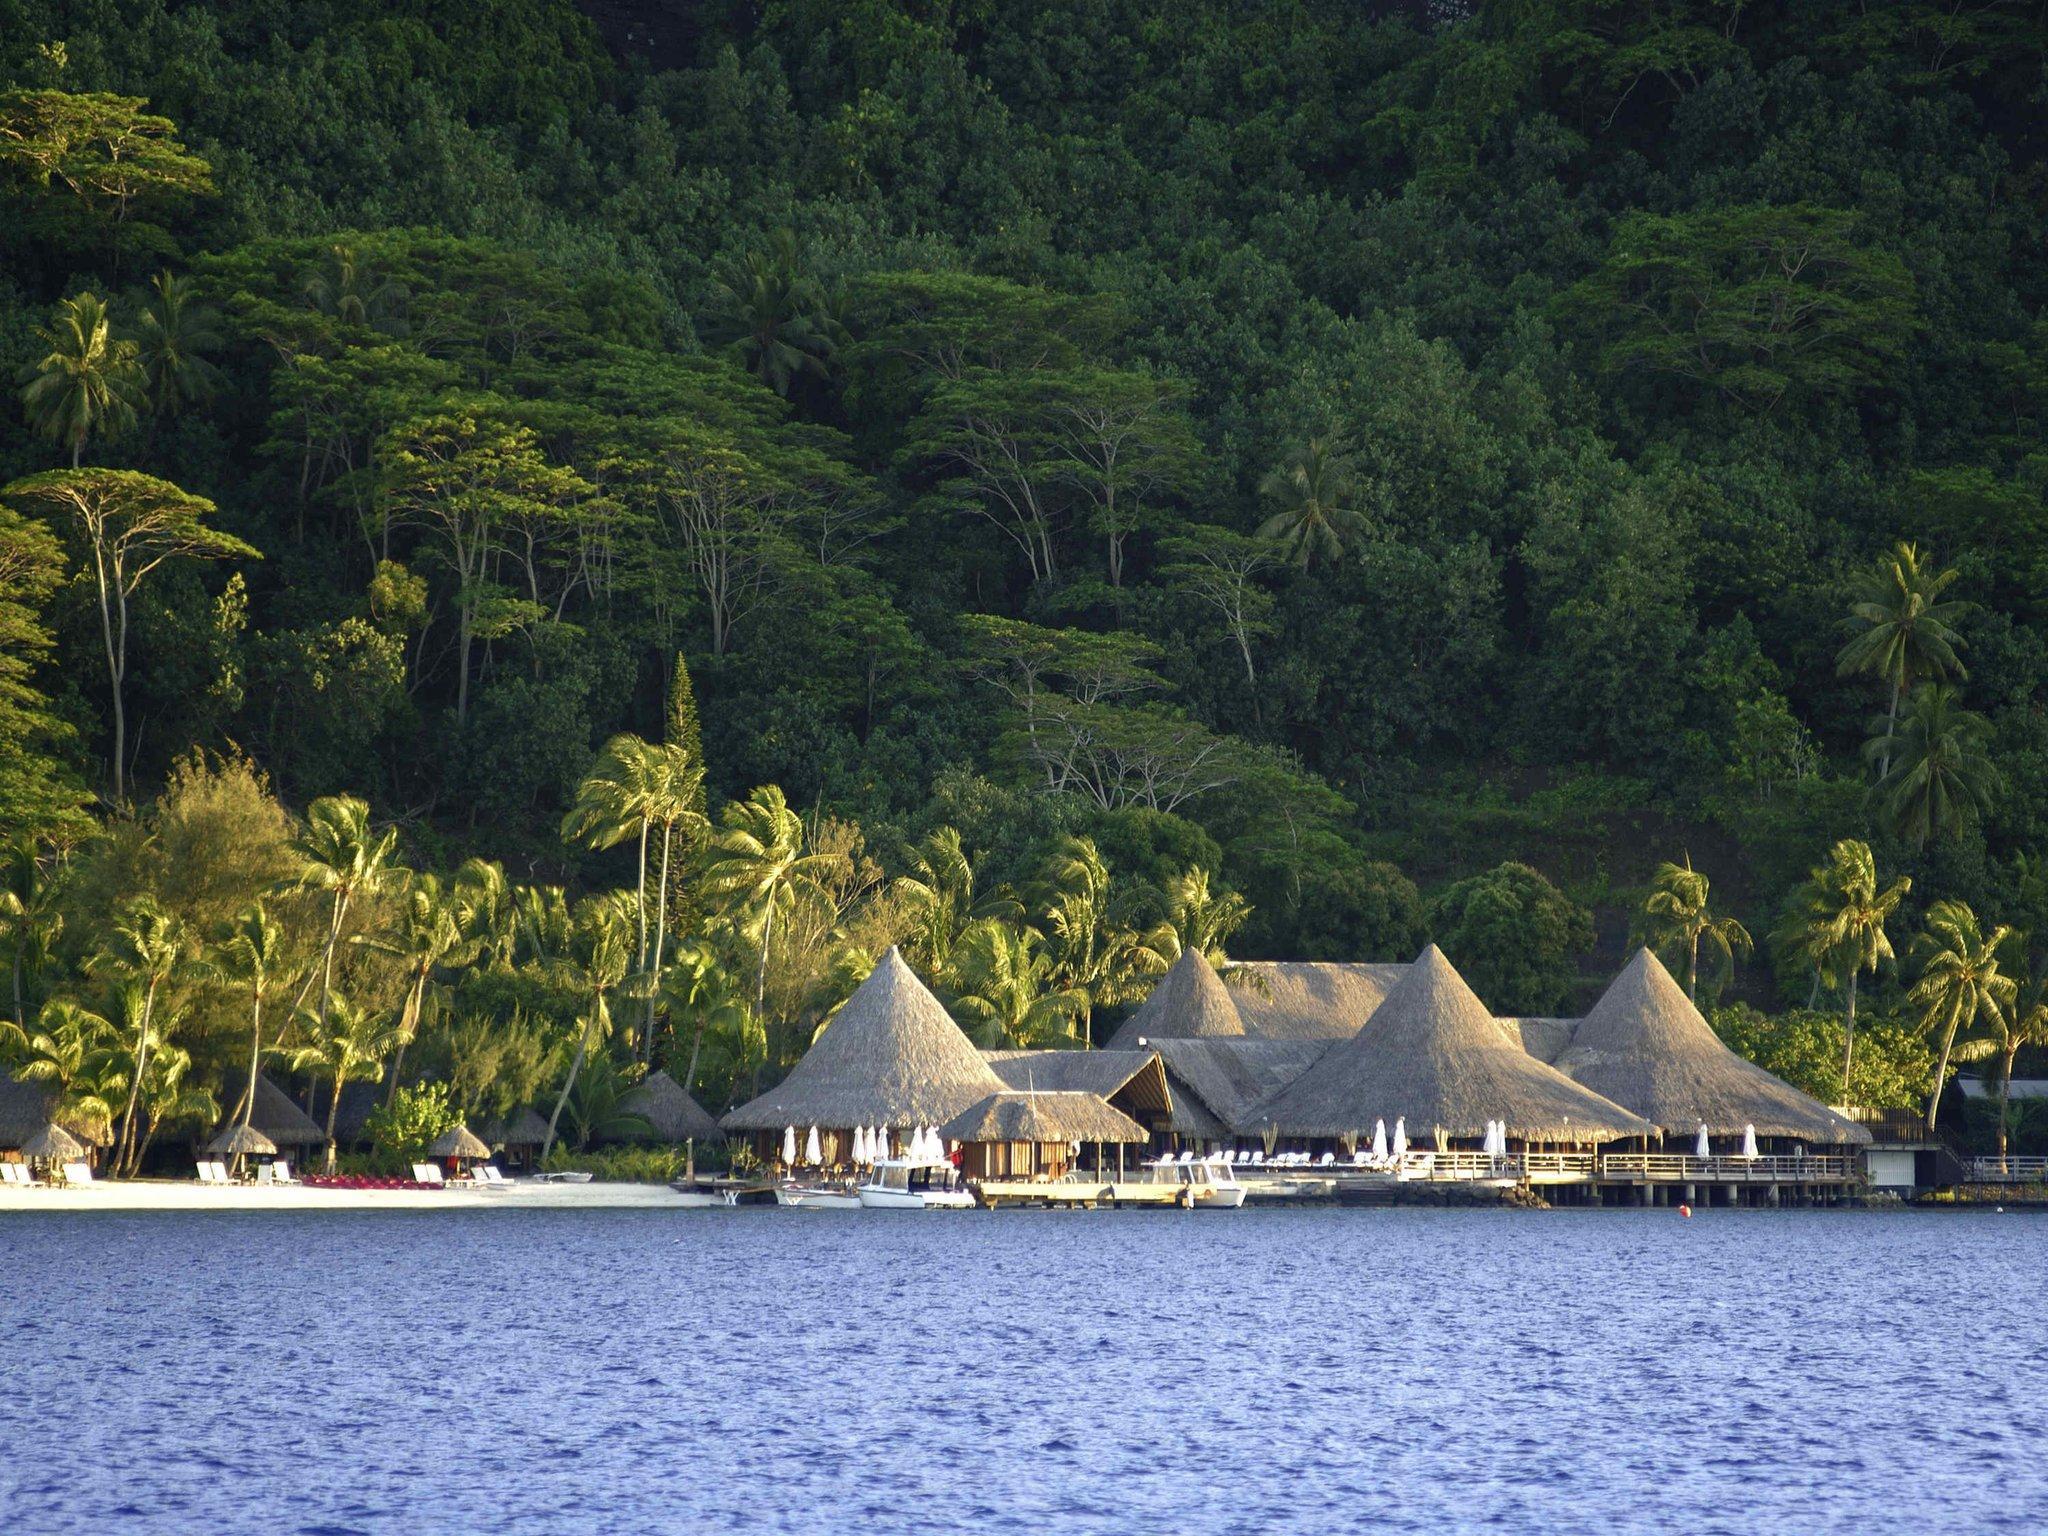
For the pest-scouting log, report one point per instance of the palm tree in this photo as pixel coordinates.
(775, 318)
(617, 800)
(348, 1044)
(1002, 993)
(88, 382)
(2023, 1024)
(1960, 983)
(351, 292)
(344, 858)
(428, 937)
(175, 335)
(1197, 918)
(68, 1050)
(481, 899)
(700, 988)
(167, 1097)
(758, 868)
(678, 789)
(1901, 630)
(938, 896)
(251, 955)
(1677, 913)
(1102, 960)
(1941, 772)
(1314, 498)
(593, 1109)
(1838, 924)
(601, 961)
(29, 918)
(146, 950)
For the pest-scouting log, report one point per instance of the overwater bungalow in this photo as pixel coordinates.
(672, 1116)
(1646, 1047)
(890, 1057)
(1133, 1082)
(1031, 1135)
(1433, 1057)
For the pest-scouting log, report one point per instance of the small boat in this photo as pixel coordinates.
(817, 1197)
(915, 1184)
(1208, 1185)
(574, 1176)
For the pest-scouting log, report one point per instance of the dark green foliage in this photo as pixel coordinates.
(1516, 937)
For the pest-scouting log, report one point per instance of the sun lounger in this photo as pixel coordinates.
(15, 1173)
(281, 1172)
(494, 1178)
(427, 1173)
(78, 1173)
(206, 1173)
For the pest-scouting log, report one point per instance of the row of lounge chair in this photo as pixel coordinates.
(1362, 1158)
(483, 1174)
(21, 1174)
(216, 1172)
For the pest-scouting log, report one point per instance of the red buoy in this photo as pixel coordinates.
(1685, 1211)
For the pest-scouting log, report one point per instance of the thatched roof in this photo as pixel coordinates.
(1309, 999)
(671, 1114)
(352, 1120)
(1137, 1077)
(523, 1129)
(25, 1108)
(1043, 1117)
(1645, 1046)
(891, 1056)
(241, 1141)
(459, 1141)
(1545, 1039)
(1189, 1002)
(275, 1115)
(52, 1141)
(1432, 1053)
(1215, 1081)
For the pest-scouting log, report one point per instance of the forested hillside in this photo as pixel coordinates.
(1418, 471)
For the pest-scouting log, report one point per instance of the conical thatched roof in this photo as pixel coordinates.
(53, 1142)
(1043, 1117)
(671, 1114)
(241, 1141)
(523, 1129)
(457, 1142)
(891, 1056)
(1645, 1046)
(275, 1115)
(1189, 1002)
(1432, 1053)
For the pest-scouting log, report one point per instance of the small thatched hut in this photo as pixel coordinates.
(1646, 1047)
(1189, 1002)
(276, 1116)
(456, 1146)
(1431, 1054)
(521, 1135)
(51, 1143)
(1031, 1135)
(891, 1057)
(672, 1116)
(241, 1141)
(1131, 1081)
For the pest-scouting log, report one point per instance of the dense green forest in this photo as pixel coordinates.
(562, 547)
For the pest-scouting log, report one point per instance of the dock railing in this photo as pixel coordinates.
(2009, 1170)
(1676, 1168)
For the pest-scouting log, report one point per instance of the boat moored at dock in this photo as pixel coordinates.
(915, 1184)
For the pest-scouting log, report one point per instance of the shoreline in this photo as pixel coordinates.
(179, 1195)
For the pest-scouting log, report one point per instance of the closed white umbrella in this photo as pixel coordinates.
(914, 1148)
(932, 1147)
(878, 1141)
(789, 1144)
(813, 1153)
(1749, 1141)
(1496, 1140)
(1379, 1141)
(1701, 1147)
(860, 1145)
(1400, 1136)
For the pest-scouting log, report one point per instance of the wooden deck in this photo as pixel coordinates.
(1310, 1180)
(1084, 1195)
(2009, 1170)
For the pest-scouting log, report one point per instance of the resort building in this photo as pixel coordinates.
(1133, 1082)
(891, 1057)
(1033, 1135)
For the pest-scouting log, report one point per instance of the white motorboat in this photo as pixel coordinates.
(1207, 1185)
(915, 1184)
(572, 1176)
(817, 1197)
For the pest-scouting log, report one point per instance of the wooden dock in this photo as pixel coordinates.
(1072, 1194)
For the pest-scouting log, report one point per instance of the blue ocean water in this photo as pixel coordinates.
(623, 1371)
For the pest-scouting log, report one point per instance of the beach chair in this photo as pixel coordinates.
(1187, 1157)
(15, 1173)
(78, 1173)
(491, 1176)
(205, 1172)
(1327, 1159)
(428, 1173)
(281, 1172)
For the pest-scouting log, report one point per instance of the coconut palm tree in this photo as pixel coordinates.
(938, 896)
(1000, 982)
(601, 959)
(175, 335)
(776, 319)
(1838, 925)
(341, 856)
(1940, 772)
(427, 938)
(30, 920)
(1314, 499)
(2013, 1030)
(68, 1049)
(1676, 913)
(678, 789)
(1901, 630)
(618, 799)
(481, 899)
(1197, 918)
(353, 293)
(758, 868)
(88, 383)
(169, 1096)
(348, 1045)
(1103, 960)
(146, 950)
(701, 989)
(1960, 983)
(252, 955)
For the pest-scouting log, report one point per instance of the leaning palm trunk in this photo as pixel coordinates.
(2005, 1097)
(246, 1110)
(1849, 1039)
(334, 1110)
(660, 943)
(1948, 1042)
(135, 1083)
(575, 1066)
(409, 1024)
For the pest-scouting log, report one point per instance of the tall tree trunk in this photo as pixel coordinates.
(409, 1026)
(1948, 1042)
(1891, 725)
(246, 1110)
(640, 898)
(2005, 1098)
(668, 833)
(1692, 971)
(327, 959)
(761, 983)
(334, 1112)
(135, 1082)
(1849, 1039)
(569, 1082)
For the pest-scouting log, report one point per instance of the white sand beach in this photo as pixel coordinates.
(190, 1195)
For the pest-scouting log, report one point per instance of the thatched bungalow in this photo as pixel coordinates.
(1431, 1054)
(520, 1136)
(26, 1107)
(1646, 1047)
(891, 1057)
(1032, 1135)
(1133, 1082)
(672, 1116)
(289, 1128)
